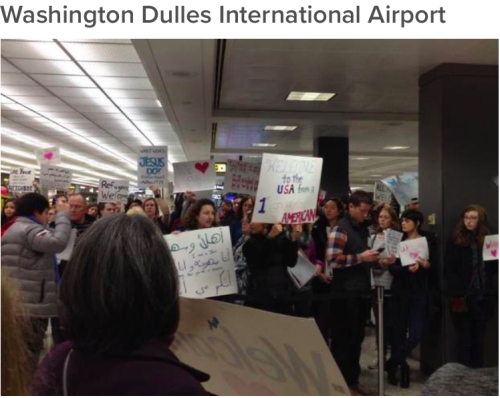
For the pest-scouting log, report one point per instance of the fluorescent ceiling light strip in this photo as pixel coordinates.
(309, 96)
(280, 128)
(63, 48)
(38, 144)
(83, 139)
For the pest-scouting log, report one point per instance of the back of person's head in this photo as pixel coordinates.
(136, 210)
(15, 359)
(120, 287)
(358, 197)
(416, 216)
(30, 203)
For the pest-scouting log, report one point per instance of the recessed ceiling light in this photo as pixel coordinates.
(395, 148)
(281, 128)
(263, 145)
(375, 175)
(308, 96)
(360, 158)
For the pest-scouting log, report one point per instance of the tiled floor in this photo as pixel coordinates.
(369, 378)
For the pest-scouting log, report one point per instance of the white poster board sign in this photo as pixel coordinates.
(250, 352)
(490, 248)
(381, 193)
(66, 253)
(55, 177)
(194, 176)
(392, 240)
(152, 166)
(404, 187)
(303, 271)
(411, 250)
(113, 191)
(50, 155)
(204, 261)
(288, 189)
(242, 177)
(21, 180)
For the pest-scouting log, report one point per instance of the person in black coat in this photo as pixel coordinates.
(333, 210)
(467, 272)
(410, 303)
(268, 255)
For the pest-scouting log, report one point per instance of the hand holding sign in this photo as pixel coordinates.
(490, 248)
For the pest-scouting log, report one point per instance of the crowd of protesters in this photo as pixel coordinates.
(121, 246)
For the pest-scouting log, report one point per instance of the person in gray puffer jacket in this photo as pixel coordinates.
(28, 260)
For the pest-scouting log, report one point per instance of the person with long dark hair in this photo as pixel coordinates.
(410, 305)
(467, 272)
(201, 214)
(245, 207)
(8, 211)
(332, 211)
(120, 310)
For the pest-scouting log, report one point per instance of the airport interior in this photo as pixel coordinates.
(403, 128)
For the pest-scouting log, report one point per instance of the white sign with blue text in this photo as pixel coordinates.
(152, 166)
(204, 261)
(288, 189)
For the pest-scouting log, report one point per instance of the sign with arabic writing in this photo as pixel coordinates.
(204, 261)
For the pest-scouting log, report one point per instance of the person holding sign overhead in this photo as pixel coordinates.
(410, 306)
(466, 271)
(348, 260)
(268, 253)
(28, 249)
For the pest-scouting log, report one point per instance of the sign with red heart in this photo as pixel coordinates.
(48, 156)
(490, 248)
(194, 176)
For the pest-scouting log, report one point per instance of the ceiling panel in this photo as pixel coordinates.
(48, 67)
(32, 50)
(102, 52)
(114, 69)
(63, 80)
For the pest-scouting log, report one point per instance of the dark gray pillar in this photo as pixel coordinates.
(458, 159)
(335, 174)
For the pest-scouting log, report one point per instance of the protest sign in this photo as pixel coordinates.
(288, 189)
(382, 193)
(404, 187)
(250, 352)
(392, 240)
(204, 261)
(66, 253)
(152, 166)
(48, 156)
(490, 248)
(242, 177)
(112, 191)
(55, 177)
(411, 250)
(194, 176)
(21, 180)
(303, 271)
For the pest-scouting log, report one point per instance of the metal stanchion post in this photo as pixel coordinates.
(380, 329)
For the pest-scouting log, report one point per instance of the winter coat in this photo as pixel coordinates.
(268, 259)
(28, 259)
(151, 370)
